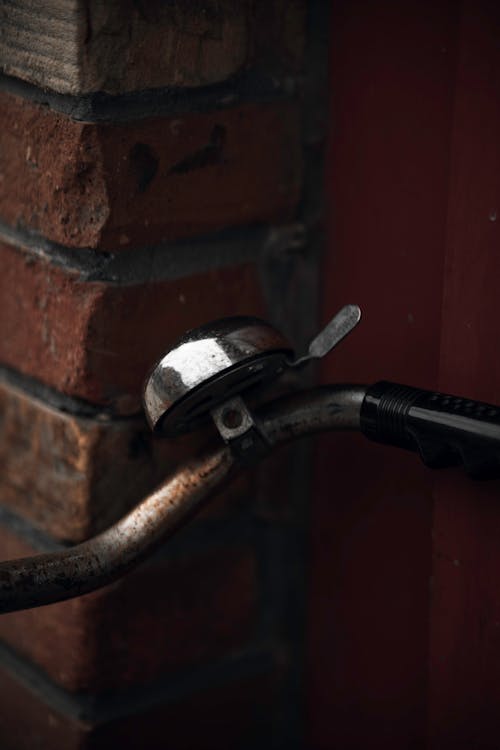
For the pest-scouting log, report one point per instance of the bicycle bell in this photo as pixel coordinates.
(211, 367)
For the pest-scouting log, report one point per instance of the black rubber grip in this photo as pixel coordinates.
(445, 430)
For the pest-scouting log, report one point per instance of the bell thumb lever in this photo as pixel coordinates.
(332, 334)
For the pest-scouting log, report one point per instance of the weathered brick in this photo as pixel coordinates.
(79, 46)
(96, 340)
(72, 476)
(165, 615)
(109, 186)
(26, 721)
(235, 714)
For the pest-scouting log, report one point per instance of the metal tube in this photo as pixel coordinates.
(43, 579)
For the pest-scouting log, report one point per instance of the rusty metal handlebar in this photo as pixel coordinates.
(47, 578)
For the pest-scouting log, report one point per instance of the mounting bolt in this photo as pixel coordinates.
(232, 418)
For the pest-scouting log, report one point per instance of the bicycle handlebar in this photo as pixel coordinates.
(444, 429)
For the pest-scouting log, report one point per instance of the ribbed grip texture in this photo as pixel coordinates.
(385, 411)
(445, 430)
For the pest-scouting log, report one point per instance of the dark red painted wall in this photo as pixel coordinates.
(404, 618)
(465, 611)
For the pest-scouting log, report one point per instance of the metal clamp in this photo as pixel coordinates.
(239, 430)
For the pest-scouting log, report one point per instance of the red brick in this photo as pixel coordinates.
(224, 716)
(110, 186)
(168, 614)
(97, 341)
(78, 47)
(27, 722)
(73, 476)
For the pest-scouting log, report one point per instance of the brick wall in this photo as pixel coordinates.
(159, 168)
